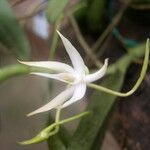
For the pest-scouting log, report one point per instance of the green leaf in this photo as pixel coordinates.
(11, 33)
(55, 9)
(102, 103)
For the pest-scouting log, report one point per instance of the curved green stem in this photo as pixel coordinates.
(137, 84)
(13, 70)
(19, 69)
(55, 37)
(51, 130)
(57, 118)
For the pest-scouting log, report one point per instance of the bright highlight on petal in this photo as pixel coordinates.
(57, 101)
(75, 57)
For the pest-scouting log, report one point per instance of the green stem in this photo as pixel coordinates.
(17, 69)
(58, 114)
(48, 129)
(55, 37)
(74, 118)
(57, 118)
(13, 70)
(137, 84)
(47, 132)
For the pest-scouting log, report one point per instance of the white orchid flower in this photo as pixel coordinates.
(76, 77)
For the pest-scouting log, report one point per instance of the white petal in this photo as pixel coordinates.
(79, 92)
(57, 101)
(75, 57)
(97, 75)
(47, 75)
(53, 65)
(64, 77)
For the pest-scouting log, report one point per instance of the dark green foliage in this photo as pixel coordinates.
(91, 15)
(55, 9)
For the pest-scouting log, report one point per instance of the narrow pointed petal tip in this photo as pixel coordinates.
(106, 61)
(24, 62)
(35, 140)
(21, 62)
(58, 32)
(147, 42)
(36, 112)
(97, 75)
(74, 55)
(57, 101)
(30, 114)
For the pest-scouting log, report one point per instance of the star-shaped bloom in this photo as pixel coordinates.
(76, 76)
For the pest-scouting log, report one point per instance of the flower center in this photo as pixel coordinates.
(78, 79)
(68, 77)
(72, 78)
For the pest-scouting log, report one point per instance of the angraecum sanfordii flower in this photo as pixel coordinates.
(76, 76)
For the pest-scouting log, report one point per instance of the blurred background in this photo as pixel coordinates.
(99, 29)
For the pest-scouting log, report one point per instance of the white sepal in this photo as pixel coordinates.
(52, 65)
(75, 57)
(57, 101)
(64, 77)
(79, 92)
(97, 75)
